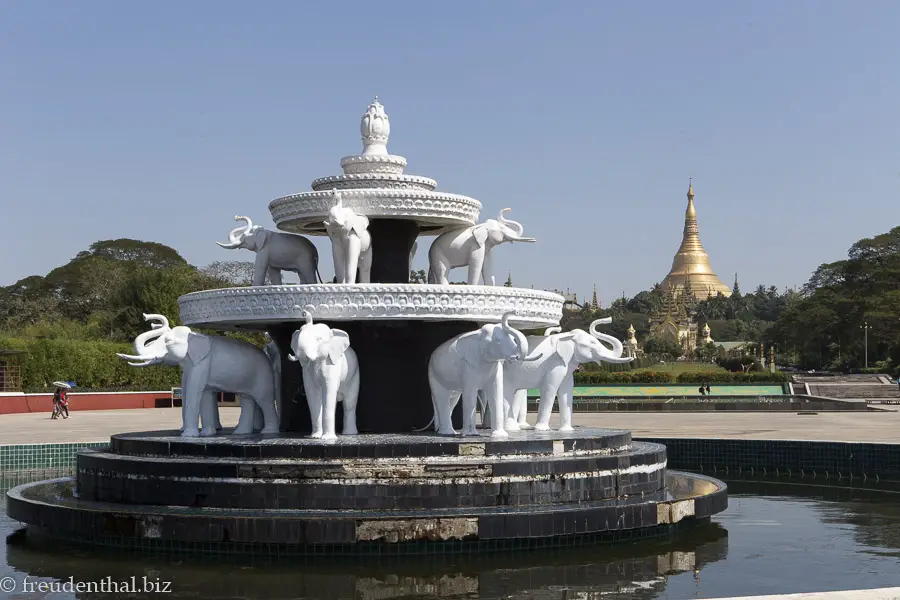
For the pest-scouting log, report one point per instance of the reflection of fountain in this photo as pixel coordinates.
(635, 571)
(395, 356)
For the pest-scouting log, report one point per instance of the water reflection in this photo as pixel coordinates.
(639, 570)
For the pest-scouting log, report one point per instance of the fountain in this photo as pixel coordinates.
(387, 473)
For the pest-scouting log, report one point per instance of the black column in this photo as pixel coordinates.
(394, 395)
(392, 239)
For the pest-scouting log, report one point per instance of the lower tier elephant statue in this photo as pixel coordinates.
(553, 360)
(471, 362)
(209, 365)
(330, 375)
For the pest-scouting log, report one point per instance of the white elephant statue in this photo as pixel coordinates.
(351, 242)
(275, 252)
(330, 375)
(469, 363)
(471, 247)
(209, 365)
(551, 363)
(274, 354)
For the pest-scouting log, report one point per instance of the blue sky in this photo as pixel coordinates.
(160, 121)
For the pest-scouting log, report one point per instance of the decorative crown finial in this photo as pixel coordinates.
(690, 187)
(375, 128)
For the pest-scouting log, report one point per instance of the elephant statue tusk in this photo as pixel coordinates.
(292, 358)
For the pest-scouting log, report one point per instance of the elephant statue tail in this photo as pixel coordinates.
(430, 425)
(316, 266)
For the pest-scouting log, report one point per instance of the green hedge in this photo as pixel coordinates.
(93, 365)
(644, 377)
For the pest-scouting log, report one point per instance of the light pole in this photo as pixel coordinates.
(865, 327)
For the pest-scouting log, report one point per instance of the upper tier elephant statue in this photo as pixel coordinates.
(351, 243)
(469, 363)
(550, 366)
(211, 364)
(471, 246)
(275, 252)
(330, 375)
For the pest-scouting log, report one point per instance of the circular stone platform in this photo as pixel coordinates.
(384, 494)
(258, 307)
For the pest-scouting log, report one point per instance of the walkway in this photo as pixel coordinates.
(98, 425)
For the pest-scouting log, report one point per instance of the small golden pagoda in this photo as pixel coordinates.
(674, 319)
(691, 263)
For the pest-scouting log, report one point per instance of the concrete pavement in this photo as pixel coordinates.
(883, 427)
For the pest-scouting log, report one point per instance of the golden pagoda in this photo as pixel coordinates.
(691, 264)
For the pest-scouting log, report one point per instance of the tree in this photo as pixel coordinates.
(236, 273)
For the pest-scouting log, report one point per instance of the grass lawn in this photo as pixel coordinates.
(683, 368)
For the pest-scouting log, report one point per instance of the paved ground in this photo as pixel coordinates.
(98, 425)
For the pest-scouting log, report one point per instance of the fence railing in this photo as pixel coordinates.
(10, 378)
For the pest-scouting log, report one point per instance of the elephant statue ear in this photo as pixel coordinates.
(360, 224)
(198, 347)
(337, 345)
(565, 351)
(480, 233)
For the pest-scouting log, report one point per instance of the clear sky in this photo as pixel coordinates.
(161, 120)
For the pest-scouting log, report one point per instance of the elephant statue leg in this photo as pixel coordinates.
(349, 401)
(549, 388)
(469, 399)
(315, 397)
(337, 255)
(365, 267)
(248, 415)
(329, 397)
(274, 276)
(522, 400)
(487, 269)
(209, 413)
(258, 420)
(475, 269)
(517, 409)
(260, 269)
(194, 389)
(352, 254)
(494, 396)
(566, 393)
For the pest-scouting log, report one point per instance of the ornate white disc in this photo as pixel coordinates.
(306, 212)
(255, 307)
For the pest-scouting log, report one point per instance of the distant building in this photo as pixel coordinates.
(691, 263)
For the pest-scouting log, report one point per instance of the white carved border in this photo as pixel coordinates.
(373, 164)
(305, 212)
(371, 301)
(374, 180)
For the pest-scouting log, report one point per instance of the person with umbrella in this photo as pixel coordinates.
(61, 399)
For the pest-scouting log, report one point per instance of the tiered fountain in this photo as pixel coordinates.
(298, 475)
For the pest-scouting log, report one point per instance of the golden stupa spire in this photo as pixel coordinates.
(691, 261)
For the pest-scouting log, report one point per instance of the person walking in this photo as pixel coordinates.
(708, 391)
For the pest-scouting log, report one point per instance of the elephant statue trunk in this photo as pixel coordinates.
(617, 347)
(236, 234)
(145, 357)
(518, 336)
(517, 227)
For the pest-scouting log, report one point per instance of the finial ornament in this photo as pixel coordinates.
(375, 128)
(690, 187)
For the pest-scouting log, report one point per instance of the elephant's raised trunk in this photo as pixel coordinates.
(235, 235)
(617, 347)
(517, 227)
(552, 330)
(518, 336)
(159, 325)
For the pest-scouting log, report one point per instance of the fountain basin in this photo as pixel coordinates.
(384, 494)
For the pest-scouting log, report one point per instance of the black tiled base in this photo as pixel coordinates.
(51, 508)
